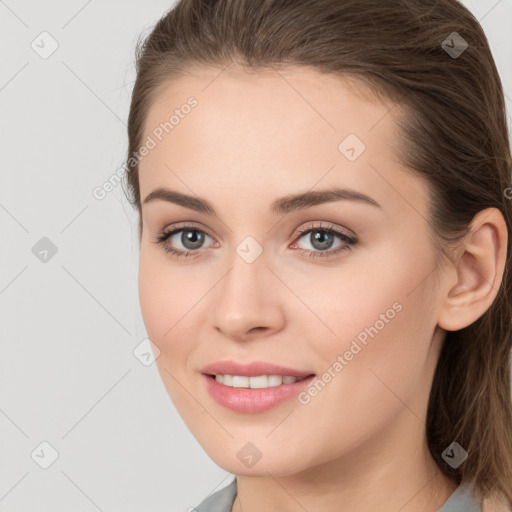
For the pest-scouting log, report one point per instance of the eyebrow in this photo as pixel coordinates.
(286, 204)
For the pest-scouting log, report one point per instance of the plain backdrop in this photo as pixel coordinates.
(73, 394)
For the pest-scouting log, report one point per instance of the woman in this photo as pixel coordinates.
(324, 198)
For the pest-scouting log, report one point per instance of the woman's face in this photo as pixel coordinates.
(253, 288)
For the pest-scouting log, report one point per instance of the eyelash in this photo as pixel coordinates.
(177, 253)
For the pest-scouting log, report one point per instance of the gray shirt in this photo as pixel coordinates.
(463, 499)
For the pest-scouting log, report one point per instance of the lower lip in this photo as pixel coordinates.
(253, 401)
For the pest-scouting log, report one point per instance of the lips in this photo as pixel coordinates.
(253, 401)
(252, 369)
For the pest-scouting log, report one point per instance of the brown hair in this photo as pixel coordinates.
(453, 134)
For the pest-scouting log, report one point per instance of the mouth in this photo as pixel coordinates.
(257, 394)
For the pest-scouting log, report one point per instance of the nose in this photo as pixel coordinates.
(248, 300)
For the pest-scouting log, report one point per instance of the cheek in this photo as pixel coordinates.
(384, 323)
(377, 291)
(172, 303)
(383, 302)
(163, 296)
(165, 302)
(152, 297)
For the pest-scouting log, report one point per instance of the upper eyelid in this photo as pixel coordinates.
(343, 230)
(183, 226)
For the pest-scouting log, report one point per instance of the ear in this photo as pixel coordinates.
(478, 271)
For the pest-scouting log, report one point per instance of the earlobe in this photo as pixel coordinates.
(479, 269)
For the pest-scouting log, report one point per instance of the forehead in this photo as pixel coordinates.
(273, 98)
(274, 129)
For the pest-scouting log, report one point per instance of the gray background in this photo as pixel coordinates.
(69, 325)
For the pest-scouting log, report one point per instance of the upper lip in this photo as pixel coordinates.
(252, 369)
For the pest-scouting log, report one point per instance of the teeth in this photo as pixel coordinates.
(261, 381)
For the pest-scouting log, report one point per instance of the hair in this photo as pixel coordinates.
(453, 134)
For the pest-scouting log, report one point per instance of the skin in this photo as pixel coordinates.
(360, 443)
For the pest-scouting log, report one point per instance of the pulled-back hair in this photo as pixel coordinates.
(453, 134)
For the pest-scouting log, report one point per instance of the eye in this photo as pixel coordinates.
(191, 238)
(322, 239)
